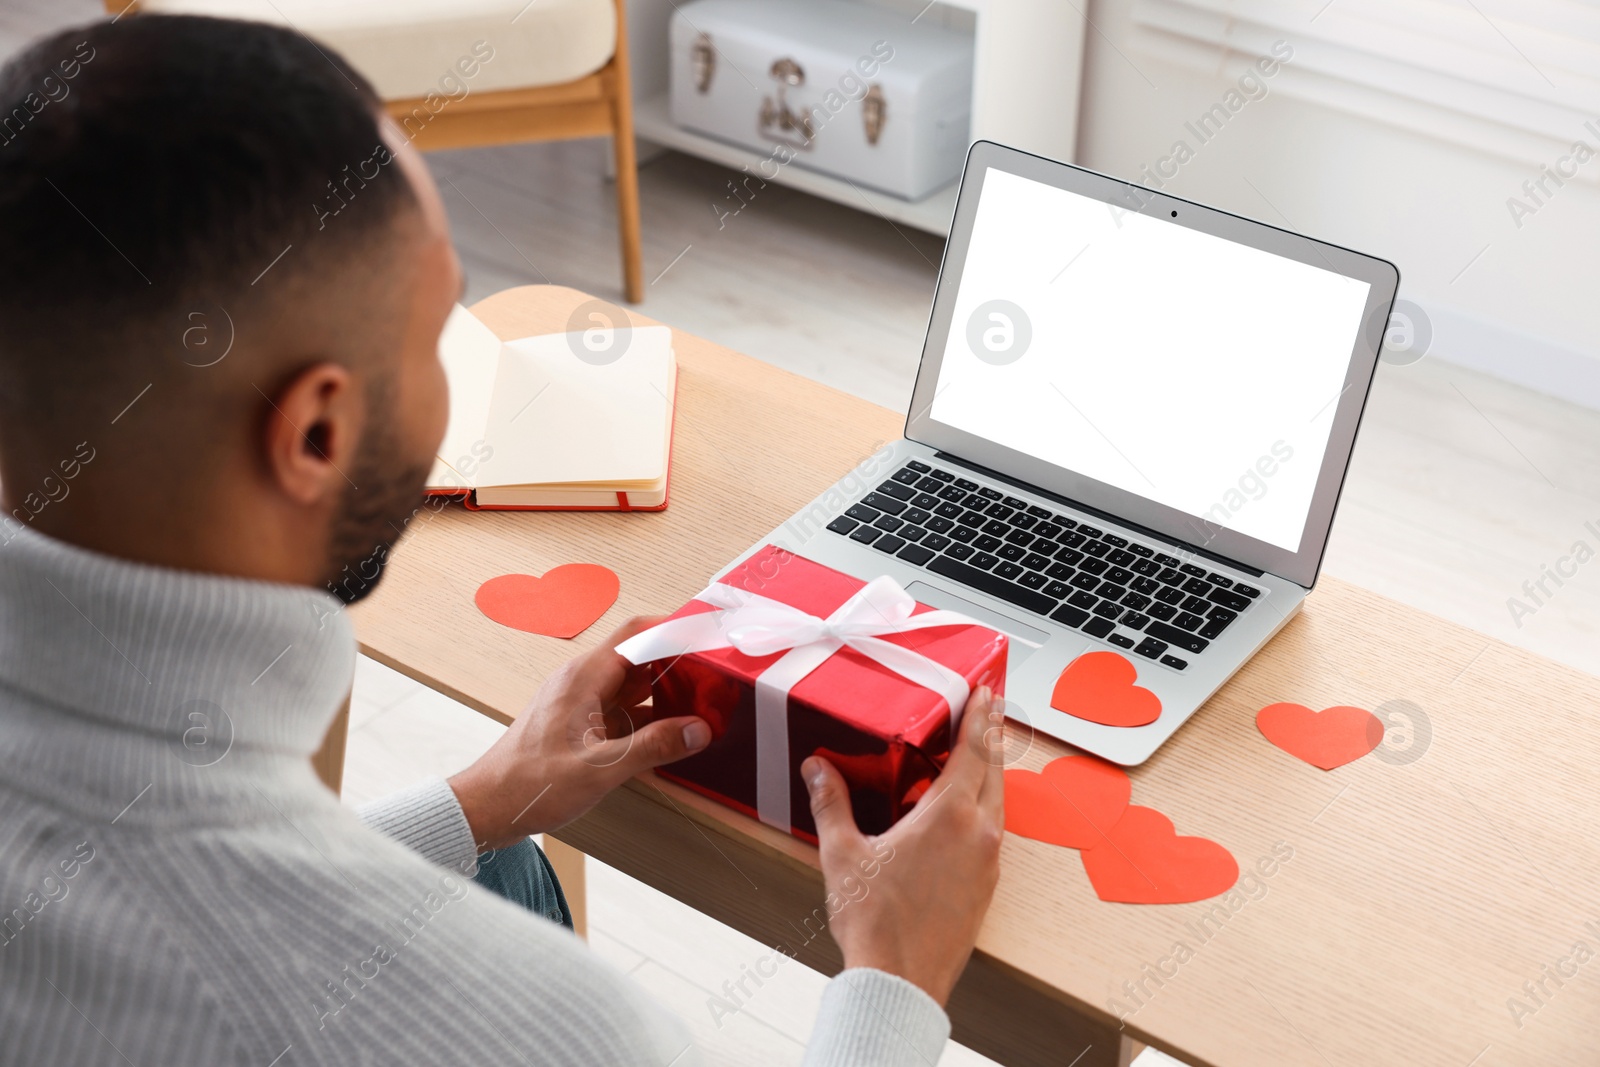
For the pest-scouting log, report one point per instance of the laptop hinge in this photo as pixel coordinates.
(1106, 515)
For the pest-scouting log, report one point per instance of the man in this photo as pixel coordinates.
(218, 398)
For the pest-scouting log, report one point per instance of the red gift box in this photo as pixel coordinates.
(887, 734)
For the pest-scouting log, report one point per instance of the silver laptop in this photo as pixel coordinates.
(1129, 431)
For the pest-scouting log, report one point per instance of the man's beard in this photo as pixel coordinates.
(375, 511)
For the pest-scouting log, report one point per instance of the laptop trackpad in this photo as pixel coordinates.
(1027, 638)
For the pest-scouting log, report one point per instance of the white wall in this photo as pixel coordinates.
(1527, 309)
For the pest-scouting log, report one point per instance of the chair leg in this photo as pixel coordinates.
(628, 208)
(627, 161)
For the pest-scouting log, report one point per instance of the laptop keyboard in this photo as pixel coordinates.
(1112, 588)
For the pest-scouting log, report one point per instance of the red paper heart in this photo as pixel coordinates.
(1099, 687)
(1329, 738)
(1074, 802)
(564, 602)
(1144, 861)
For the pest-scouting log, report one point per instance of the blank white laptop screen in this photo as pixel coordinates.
(1185, 368)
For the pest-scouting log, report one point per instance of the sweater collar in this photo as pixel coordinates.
(193, 659)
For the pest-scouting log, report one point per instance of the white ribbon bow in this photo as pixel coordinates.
(759, 626)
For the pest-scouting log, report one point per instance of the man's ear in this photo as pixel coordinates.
(313, 425)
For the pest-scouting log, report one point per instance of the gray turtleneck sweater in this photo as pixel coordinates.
(177, 887)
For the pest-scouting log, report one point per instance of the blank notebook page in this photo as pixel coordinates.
(470, 352)
(555, 418)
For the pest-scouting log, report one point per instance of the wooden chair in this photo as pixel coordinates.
(595, 104)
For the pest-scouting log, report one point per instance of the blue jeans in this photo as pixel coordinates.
(522, 874)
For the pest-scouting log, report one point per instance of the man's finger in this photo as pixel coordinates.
(635, 687)
(657, 743)
(602, 672)
(635, 683)
(968, 763)
(991, 797)
(830, 805)
(620, 721)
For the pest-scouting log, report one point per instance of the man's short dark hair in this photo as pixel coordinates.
(158, 165)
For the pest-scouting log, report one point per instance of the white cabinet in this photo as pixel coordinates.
(1028, 60)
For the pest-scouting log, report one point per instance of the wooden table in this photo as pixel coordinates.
(1428, 881)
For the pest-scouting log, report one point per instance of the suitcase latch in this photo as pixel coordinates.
(777, 118)
(874, 109)
(703, 61)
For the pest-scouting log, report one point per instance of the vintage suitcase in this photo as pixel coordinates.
(839, 87)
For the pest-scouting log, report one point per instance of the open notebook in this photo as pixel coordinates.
(532, 425)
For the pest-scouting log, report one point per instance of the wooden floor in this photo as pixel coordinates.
(1463, 488)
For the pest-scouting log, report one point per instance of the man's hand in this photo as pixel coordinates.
(928, 880)
(581, 737)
